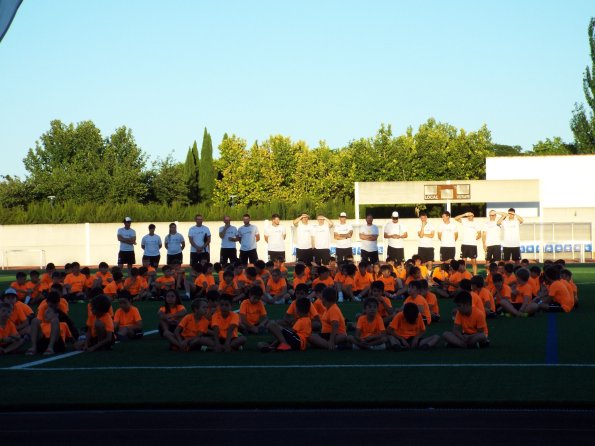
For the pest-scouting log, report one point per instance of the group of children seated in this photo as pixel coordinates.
(399, 302)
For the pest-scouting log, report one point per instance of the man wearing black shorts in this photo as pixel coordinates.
(471, 233)
(425, 232)
(491, 239)
(175, 244)
(127, 239)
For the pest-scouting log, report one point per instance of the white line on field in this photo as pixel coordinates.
(307, 366)
(26, 365)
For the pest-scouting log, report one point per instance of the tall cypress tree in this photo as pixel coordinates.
(191, 174)
(583, 125)
(206, 179)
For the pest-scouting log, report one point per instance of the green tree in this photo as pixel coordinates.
(552, 147)
(14, 192)
(505, 150)
(191, 174)
(206, 179)
(583, 123)
(232, 154)
(169, 184)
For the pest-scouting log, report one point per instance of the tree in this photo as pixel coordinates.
(206, 179)
(191, 174)
(504, 150)
(552, 147)
(169, 184)
(583, 124)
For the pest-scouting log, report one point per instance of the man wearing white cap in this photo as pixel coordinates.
(342, 236)
(395, 232)
(127, 239)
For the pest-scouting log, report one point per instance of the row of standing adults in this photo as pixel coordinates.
(500, 237)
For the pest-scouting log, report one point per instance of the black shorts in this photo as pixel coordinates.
(43, 343)
(396, 253)
(171, 327)
(228, 255)
(304, 255)
(468, 251)
(175, 259)
(517, 305)
(494, 253)
(197, 257)
(153, 260)
(344, 254)
(274, 255)
(292, 338)
(512, 254)
(94, 340)
(447, 253)
(126, 258)
(137, 334)
(248, 257)
(555, 307)
(369, 256)
(426, 254)
(323, 256)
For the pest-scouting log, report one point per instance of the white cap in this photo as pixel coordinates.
(128, 219)
(10, 291)
(395, 214)
(343, 214)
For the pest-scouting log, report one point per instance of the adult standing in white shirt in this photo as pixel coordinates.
(228, 234)
(304, 241)
(448, 235)
(175, 244)
(199, 237)
(342, 235)
(368, 234)
(322, 239)
(274, 235)
(395, 232)
(491, 237)
(127, 239)
(425, 232)
(511, 235)
(248, 236)
(151, 244)
(471, 233)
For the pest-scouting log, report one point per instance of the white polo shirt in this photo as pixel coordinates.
(198, 234)
(493, 233)
(322, 236)
(448, 234)
(174, 243)
(151, 244)
(276, 237)
(426, 242)
(248, 234)
(511, 233)
(126, 233)
(231, 232)
(395, 228)
(470, 230)
(369, 245)
(303, 239)
(343, 230)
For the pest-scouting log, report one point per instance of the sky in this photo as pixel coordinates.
(313, 70)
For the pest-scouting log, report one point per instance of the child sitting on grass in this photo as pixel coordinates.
(407, 328)
(333, 332)
(100, 326)
(224, 324)
(171, 313)
(128, 323)
(10, 341)
(253, 314)
(470, 329)
(294, 338)
(193, 330)
(370, 333)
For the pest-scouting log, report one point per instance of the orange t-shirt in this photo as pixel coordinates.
(329, 282)
(406, 330)
(560, 294)
(439, 274)
(192, 327)
(454, 279)
(292, 311)
(252, 311)
(333, 314)
(225, 322)
(383, 307)
(62, 306)
(112, 288)
(21, 290)
(275, 288)
(535, 285)
(432, 301)
(107, 321)
(46, 281)
(362, 281)
(136, 286)
(297, 280)
(473, 323)
(46, 330)
(171, 316)
(504, 293)
(367, 328)
(20, 312)
(303, 328)
(165, 282)
(522, 291)
(36, 288)
(390, 283)
(509, 279)
(319, 307)
(8, 330)
(477, 302)
(423, 306)
(76, 282)
(90, 282)
(339, 277)
(485, 296)
(90, 312)
(568, 286)
(105, 278)
(202, 278)
(127, 319)
(225, 288)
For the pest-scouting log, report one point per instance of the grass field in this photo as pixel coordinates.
(548, 360)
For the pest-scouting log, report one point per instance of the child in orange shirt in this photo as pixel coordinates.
(10, 340)
(385, 307)
(35, 288)
(193, 330)
(566, 277)
(290, 317)
(136, 285)
(370, 333)
(227, 285)
(431, 299)
(416, 298)
(21, 313)
(128, 323)
(470, 329)
(502, 293)
(345, 287)
(165, 283)
(20, 286)
(46, 278)
(362, 281)
(554, 297)
(112, 288)
(74, 283)
(171, 313)
(50, 335)
(299, 276)
(276, 289)
(407, 328)
(225, 324)
(477, 287)
(514, 302)
(295, 338)
(333, 332)
(103, 276)
(253, 314)
(100, 326)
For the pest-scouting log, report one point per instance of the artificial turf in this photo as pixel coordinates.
(522, 367)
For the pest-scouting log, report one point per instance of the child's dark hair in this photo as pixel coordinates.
(197, 268)
(477, 281)
(228, 273)
(269, 264)
(176, 303)
(493, 266)
(196, 303)
(134, 272)
(462, 263)
(57, 287)
(509, 268)
(21, 275)
(423, 284)
(415, 284)
(454, 264)
(85, 271)
(462, 298)
(53, 297)
(217, 267)
(255, 291)
(34, 273)
(377, 285)
(251, 271)
(370, 301)
(50, 266)
(465, 284)
(319, 287)
(103, 265)
(350, 269)
(101, 304)
(329, 295)
(410, 312)
(535, 269)
(566, 273)
(142, 270)
(523, 274)
(75, 265)
(259, 264)
(363, 264)
(212, 295)
(117, 275)
(497, 278)
(300, 268)
(552, 274)
(301, 287)
(124, 294)
(323, 270)
(166, 268)
(302, 305)
(226, 298)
